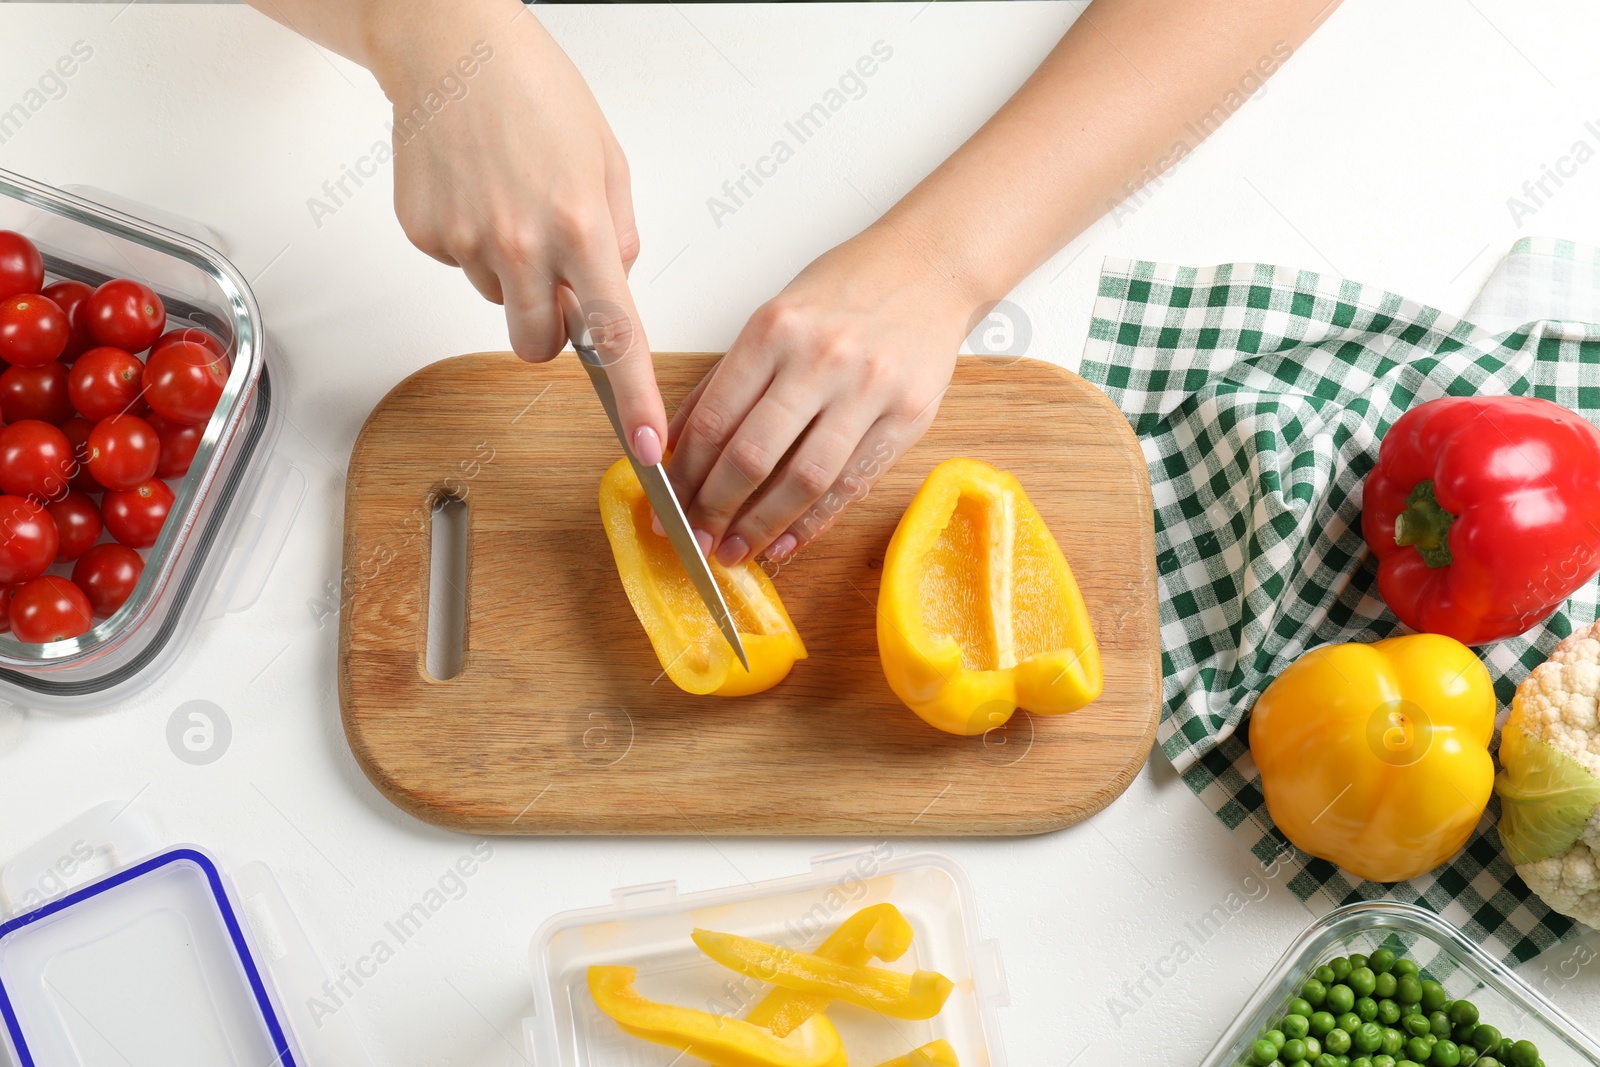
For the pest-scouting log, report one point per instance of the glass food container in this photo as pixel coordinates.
(648, 927)
(207, 548)
(1444, 953)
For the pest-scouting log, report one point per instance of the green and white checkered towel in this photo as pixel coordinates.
(1259, 394)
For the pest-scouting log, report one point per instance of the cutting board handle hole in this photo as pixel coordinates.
(447, 587)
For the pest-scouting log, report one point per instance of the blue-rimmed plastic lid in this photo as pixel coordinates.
(150, 964)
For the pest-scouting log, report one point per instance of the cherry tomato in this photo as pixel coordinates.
(106, 382)
(35, 393)
(33, 330)
(69, 297)
(35, 460)
(125, 314)
(49, 609)
(77, 430)
(21, 266)
(123, 452)
(78, 524)
(184, 382)
(134, 516)
(194, 336)
(27, 539)
(178, 445)
(107, 574)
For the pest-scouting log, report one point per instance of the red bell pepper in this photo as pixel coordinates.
(1484, 513)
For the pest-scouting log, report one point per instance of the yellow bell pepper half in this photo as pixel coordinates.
(978, 612)
(1376, 757)
(918, 995)
(875, 932)
(714, 1038)
(691, 649)
(933, 1054)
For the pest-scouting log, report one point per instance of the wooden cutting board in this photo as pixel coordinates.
(560, 720)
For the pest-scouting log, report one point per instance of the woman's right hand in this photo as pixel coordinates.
(518, 180)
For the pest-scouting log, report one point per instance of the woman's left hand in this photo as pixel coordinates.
(847, 366)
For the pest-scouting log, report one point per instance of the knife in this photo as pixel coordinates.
(657, 489)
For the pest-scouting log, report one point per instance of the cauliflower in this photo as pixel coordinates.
(1550, 788)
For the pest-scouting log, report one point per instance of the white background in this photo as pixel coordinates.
(1385, 151)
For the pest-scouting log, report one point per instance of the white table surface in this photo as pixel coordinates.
(1385, 151)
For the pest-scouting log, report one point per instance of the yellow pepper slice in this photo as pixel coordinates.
(918, 995)
(978, 611)
(1376, 757)
(933, 1054)
(687, 642)
(714, 1038)
(875, 932)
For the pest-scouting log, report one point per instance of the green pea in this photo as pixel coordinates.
(1321, 1023)
(1524, 1054)
(1383, 1060)
(1487, 1060)
(1366, 1009)
(1293, 1051)
(1393, 1041)
(1369, 1038)
(1337, 1042)
(1313, 1048)
(1383, 985)
(1407, 990)
(1408, 1063)
(1361, 1061)
(1341, 968)
(1462, 1034)
(1357, 959)
(1277, 1037)
(1419, 1049)
(1487, 1038)
(1433, 996)
(1327, 1059)
(1469, 1055)
(1463, 1013)
(1439, 1024)
(1348, 1021)
(1295, 1026)
(1381, 961)
(1362, 981)
(1342, 1060)
(1388, 1012)
(1445, 1054)
(1263, 1052)
(1298, 1006)
(1325, 975)
(1341, 998)
(1314, 992)
(1416, 1025)
(1404, 967)
(1412, 1009)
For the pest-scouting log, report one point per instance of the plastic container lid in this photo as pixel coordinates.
(648, 927)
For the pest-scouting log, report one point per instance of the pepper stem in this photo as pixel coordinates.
(1426, 526)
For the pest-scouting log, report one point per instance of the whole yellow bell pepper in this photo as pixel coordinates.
(875, 932)
(691, 649)
(1376, 757)
(713, 1038)
(978, 612)
(918, 995)
(933, 1054)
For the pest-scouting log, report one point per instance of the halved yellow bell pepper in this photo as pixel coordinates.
(691, 649)
(714, 1038)
(918, 995)
(978, 612)
(1376, 757)
(875, 932)
(933, 1054)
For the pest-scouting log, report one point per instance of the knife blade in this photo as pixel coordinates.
(657, 489)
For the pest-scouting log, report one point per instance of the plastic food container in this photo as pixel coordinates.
(648, 927)
(159, 956)
(1444, 953)
(207, 547)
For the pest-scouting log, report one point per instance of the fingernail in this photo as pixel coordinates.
(782, 547)
(703, 539)
(655, 525)
(733, 551)
(646, 446)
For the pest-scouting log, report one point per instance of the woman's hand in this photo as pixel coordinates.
(521, 184)
(847, 365)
